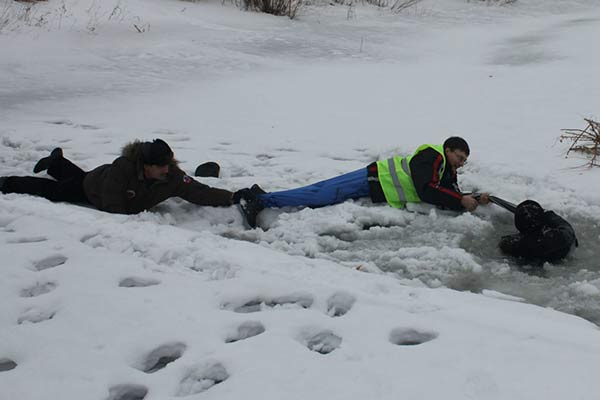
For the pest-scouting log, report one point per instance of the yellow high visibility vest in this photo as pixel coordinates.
(395, 178)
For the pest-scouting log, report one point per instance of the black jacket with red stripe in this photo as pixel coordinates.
(424, 167)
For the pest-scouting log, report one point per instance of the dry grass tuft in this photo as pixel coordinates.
(585, 141)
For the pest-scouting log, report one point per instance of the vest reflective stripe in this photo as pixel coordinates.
(405, 167)
(397, 185)
(395, 177)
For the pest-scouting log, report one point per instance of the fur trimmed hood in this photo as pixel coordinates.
(133, 151)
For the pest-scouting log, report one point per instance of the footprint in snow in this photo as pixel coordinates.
(50, 262)
(245, 330)
(323, 342)
(32, 239)
(339, 304)
(264, 157)
(61, 122)
(7, 364)
(236, 172)
(38, 289)
(102, 141)
(89, 127)
(202, 378)
(336, 158)
(410, 337)
(133, 281)
(127, 392)
(165, 132)
(179, 139)
(35, 316)
(261, 303)
(162, 356)
(70, 123)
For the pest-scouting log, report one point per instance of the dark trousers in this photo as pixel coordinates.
(68, 185)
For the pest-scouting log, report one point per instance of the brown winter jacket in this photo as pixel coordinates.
(121, 188)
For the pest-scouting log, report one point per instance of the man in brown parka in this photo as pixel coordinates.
(145, 175)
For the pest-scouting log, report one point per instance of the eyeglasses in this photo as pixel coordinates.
(461, 158)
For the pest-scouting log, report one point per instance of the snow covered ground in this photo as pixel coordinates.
(351, 301)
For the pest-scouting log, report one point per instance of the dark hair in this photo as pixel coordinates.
(457, 143)
(156, 152)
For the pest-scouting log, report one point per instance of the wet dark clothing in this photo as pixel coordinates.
(424, 168)
(68, 185)
(119, 187)
(552, 241)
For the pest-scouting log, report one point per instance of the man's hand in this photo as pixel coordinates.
(469, 202)
(237, 196)
(484, 198)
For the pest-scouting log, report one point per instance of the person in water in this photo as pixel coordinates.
(543, 235)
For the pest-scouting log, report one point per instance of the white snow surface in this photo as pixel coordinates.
(353, 301)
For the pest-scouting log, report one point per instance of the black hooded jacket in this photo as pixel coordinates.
(551, 241)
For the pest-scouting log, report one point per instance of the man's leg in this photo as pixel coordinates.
(58, 167)
(61, 169)
(69, 190)
(336, 190)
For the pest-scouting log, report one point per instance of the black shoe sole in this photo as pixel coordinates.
(248, 222)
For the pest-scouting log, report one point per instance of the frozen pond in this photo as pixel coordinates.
(439, 249)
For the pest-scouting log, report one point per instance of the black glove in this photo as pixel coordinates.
(237, 196)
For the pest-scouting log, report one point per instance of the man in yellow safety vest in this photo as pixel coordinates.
(428, 175)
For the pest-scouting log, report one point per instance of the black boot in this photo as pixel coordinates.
(246, 193)
(44, 163)
(2, 180)
(250, 205)
(257, 189)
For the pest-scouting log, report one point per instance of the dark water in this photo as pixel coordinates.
(572, 285)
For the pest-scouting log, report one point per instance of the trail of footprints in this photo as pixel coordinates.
(32, 314)
(202, 377)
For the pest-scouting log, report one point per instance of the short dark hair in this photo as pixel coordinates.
(457, 143)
